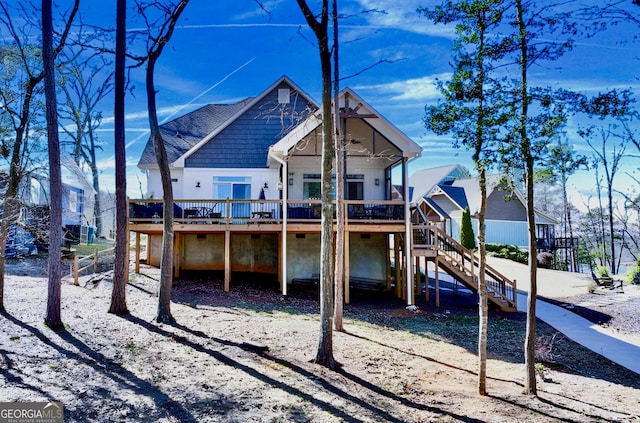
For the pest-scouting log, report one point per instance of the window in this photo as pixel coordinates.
(234, 188)
(312, 187)
(355, 190)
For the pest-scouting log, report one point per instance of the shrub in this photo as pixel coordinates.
(545, 259)
(467, 238)
(510, 252)
(601, 271)
(633, 274)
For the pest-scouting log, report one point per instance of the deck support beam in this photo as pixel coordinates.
(137, 263)
(408, 234)
(347, 275)
(227, 260)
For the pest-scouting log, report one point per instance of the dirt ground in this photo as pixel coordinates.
(397, 365)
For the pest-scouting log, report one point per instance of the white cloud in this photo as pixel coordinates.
(422, 89)
(402, 15)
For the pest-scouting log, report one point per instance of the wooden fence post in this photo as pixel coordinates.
(76, 265)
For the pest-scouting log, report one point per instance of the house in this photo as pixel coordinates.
(424, 180)
(246, 181)
(505, 214)
(32, 227)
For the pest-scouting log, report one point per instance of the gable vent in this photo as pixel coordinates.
(283, 95)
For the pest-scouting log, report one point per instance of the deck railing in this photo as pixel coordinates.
(244, 211)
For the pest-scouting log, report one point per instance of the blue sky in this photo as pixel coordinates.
(224, 51)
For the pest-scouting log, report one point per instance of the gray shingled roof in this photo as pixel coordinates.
(182, 133)
(457, 194)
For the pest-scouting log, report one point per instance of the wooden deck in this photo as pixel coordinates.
(217, 216)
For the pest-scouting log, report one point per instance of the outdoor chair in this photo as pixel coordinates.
(608, 282)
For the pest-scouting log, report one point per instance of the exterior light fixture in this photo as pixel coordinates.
(279, 185)
(198, 184)
(266, 185)
(377, 181)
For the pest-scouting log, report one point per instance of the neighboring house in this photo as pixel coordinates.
(246, 183)
(505, 214)
(32, 228)
(424, 180)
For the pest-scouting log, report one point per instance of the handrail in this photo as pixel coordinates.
(230, 211)
(466, 260)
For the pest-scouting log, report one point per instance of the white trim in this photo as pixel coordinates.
(285, 196)
(409, 148)
(180, 161)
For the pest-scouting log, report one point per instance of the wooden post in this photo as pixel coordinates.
(176, 254)
(137, 264)
(398, 264)
(418, 282)
(76, 267)
(426, 279)
(127, 247)
(227, 260)
(280, 249)
(388, 264)
(437, 284)
(404, 276)
(347, 275)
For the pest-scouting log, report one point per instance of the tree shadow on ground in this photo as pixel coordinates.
(15, 377)
(579, 409)
(594, 316)
(455, 322)
(104, 366)
(365, 404)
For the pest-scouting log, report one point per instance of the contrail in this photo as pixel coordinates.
(227, 76)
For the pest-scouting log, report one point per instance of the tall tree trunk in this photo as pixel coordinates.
(603, 237)
(340, 182)
(610, 188)
(325, 344)
(324, 355)
(53, 317)
(525, 150)
(95, 175)
(483, 309)
(479, 160)
(166, 259)
(121, 261)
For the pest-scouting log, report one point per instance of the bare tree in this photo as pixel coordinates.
(609, 156)
(118, 294)
(319, 27)
(53, 317)
(340, 180)
(563, 161)
(84, 86)
(21, 108)
(170, 13)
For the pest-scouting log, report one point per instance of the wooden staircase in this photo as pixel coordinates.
(449, 255)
